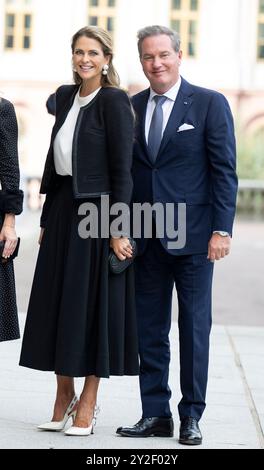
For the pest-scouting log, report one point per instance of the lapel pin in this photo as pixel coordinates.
(185, 102)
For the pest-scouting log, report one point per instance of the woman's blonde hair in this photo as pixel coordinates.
(102, 36)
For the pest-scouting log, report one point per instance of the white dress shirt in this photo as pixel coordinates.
(167, 106)
(62, 146)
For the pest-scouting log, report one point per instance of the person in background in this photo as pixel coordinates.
(51, 104)
(11, 204)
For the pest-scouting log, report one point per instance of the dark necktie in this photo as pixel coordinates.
(155, 130)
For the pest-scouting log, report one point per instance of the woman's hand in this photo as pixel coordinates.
(8, 233)
(121, 247)
(40, 235)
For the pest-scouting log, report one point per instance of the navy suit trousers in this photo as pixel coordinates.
(156, 273)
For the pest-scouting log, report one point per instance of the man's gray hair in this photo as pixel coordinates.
(156, 30)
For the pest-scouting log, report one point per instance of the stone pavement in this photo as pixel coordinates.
(234, 417)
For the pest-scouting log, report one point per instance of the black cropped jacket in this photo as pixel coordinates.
(11, 197)
(102, 147)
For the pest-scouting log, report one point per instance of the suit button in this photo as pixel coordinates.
(155, 170)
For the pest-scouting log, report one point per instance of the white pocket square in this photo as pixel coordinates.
(185, 127)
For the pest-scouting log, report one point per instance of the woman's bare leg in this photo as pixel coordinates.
(65, 393)
(87, 402)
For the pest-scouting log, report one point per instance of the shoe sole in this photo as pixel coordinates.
(189, 442)
(156, 434)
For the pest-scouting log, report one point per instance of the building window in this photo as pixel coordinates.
(260, 43)
(9, 31)
(176, 25)
(104, 12)
(110, 24)
(27, 30)
(192, 38)
(185, 20)
(93, 21)
(176, 4)
(18, 25)
(261, 7)
(194, 5)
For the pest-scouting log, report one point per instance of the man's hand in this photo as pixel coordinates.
(218, 247)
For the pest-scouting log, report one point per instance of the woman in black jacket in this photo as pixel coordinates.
(11, 200)
(81, 319)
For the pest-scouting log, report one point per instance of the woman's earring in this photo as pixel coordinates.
(105, 69)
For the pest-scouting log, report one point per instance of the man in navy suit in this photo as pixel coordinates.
(184, 153)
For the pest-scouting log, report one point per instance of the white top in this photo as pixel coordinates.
(62, 146)
(167, 106)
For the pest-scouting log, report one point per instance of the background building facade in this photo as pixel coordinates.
(222, 42)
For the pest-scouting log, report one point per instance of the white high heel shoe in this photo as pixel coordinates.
(60, 425)
(78, 431)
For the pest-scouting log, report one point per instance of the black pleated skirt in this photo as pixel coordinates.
(81, 318)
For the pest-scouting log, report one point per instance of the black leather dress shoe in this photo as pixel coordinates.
(190, 433)
(147, 427)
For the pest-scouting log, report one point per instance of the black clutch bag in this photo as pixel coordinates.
(14, 254)
(116, 265)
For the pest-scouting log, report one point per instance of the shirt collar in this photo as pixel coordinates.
(171, 94)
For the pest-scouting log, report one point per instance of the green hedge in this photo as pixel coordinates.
(250, 157)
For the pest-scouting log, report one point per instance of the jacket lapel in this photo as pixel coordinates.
(179, 110)
(63, 112)
(140, 105)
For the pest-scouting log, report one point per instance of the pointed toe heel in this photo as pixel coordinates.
(60, 425)
(78, 431)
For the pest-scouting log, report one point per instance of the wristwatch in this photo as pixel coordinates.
(222, 233)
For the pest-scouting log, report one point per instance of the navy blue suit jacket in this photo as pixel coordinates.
(195, 166)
